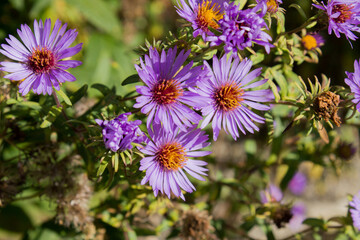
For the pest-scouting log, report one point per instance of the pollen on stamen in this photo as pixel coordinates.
(272, 6)
(171, 156)
(208, 15)
(166, 92)
(345, 12)
(42, 60)
(228, 97)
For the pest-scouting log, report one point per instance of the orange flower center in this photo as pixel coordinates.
(166, 91)
(345, 12)
(309, 42)
(42, 60)
(228, 97)
(171, 156)
(208, 15)
(272, 6)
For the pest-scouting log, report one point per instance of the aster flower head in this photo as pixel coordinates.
(228, 96)
(355, 210)
(271, 194)
(241, 28)
(120, 133)
(39, 57)
(165, 94)
(298, 183)
(169, 157)
(353, 81)
(343, 17)
(202, 14)
(272, 6)
(312, 40)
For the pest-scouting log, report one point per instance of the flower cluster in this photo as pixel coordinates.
(119, 133)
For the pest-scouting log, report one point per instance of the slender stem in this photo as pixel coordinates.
(298, 29)
(128, 98)
(307, 230)
(283, 103)
(56, 99)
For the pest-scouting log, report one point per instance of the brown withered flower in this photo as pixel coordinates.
(325, 106)
(196, 224)
(281, 215)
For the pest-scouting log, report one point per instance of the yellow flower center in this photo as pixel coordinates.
(208, 15)
(309, 42)
(166, 91)
(345, 12)
(42, 60)
(171, 156)
(228, 97)
(272, 6)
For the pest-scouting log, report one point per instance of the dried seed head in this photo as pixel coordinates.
(281, 215)
(326, 107)
(196, 225)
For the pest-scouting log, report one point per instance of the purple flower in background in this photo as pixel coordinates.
(271, 194)
(298, 183)
(168, 159)
(227, 92)
(353, 80)
(298, 216)
(355, 210)
(40, 56)
(272, 6)
(119, 133)
(312, 40)
(240, 28)
(165, 93)
(202, 14)
(343, 17)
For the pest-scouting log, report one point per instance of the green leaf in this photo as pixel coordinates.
(102, 88)
(64, 97)
(131, 79)
(299, 9)
(115, 161)
(103, 164)
(315, 222)
(76, 96)
(257, 58)
(30, 104)
(51, 116)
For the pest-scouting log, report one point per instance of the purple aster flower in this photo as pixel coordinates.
(169, 154)
(272, 6)
(240, 28)
(202, 14)
(298, 183)
(271, 194)
(355, 210)
(165, 93)
(312, 40)
(227, 92)
(119, 133)
(298, 216)
(353, 80)
(343, 17)
(40, 56)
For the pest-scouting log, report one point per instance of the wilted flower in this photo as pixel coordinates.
(326, 107)
(281, 215)
(119, 133)
(355, 210)
(343, 17)
(168, 158)
(40, 56)
(345, 150)
(312, 40)
(226, 91)
(165, 93)
(353, 80)
(298, 183)
(241, 28)
(202, 14)
(271, 194)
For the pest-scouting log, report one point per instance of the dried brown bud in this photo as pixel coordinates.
(326, 106)
(196, 225)
(281, 215)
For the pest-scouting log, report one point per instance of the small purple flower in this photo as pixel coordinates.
(40, 56)
(228, 96)
(240, 28)
(202, 14)
(272, 6)
(271, 194)
(353, 80)
(169, 154)
(119, 133)
(298, 216)
(312, 40)
(355, 210)
(343, 17)
(165, 95)
(298, 183)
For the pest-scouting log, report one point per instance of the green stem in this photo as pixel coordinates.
(298, 29)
